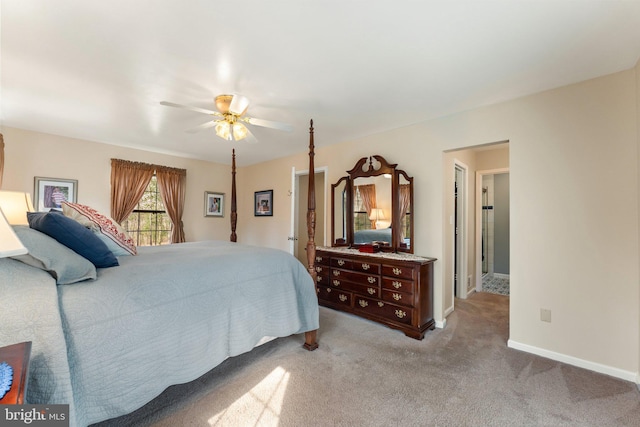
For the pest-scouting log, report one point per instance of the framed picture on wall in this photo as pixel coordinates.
(49, 193)
(213, 204)
(263, 203)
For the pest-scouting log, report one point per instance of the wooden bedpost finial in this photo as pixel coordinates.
(234, 210)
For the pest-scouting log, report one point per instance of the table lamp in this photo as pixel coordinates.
(15, 205)
(10, 245)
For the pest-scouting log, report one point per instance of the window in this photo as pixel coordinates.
(149, 223)
(360, 218)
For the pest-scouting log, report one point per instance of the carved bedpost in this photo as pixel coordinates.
(234, 209)
(310, 337)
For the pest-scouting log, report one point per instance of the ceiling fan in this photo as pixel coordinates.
(230, 120)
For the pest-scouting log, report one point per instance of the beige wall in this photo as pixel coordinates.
(573, 158)
(574, 149)
(29, 154)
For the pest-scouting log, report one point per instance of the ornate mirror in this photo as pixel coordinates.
(373, 205)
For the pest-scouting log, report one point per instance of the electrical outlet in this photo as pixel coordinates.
(545, 315)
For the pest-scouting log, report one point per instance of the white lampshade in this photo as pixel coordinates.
(10, 245)
(15, 206)
(376, 214)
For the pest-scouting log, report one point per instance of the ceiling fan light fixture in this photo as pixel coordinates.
(223, 130)
(239, 131)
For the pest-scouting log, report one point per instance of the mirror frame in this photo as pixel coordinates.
(359, 171)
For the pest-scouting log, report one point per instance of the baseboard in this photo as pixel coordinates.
(440, 324)
(581, 363)
(500, 276)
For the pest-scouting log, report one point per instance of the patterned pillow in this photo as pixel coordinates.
(99, 223)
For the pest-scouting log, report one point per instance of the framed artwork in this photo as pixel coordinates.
(49, 193)
(263, 203)
(213, 204)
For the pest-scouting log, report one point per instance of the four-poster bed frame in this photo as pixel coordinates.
(310, 337)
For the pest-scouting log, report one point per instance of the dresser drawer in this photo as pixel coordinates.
(364, 289)
(322, 279)
(337, 296)
(378, 308)
(362, 266)
(352, 276)
(398, 271)
(398, 285)
(322, 259)
(397, 297)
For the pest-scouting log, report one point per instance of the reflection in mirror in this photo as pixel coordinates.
(340, 209)
(405, 212)
(372, 210)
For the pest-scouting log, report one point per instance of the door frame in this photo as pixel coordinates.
(460, 246)
(295, 214)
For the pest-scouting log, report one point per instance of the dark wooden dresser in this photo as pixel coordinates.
(395, 289)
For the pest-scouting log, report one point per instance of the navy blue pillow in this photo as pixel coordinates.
(73, 235)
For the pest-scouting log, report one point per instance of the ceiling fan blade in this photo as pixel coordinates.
(238, 105)
(186, 107)
(206, 125)
(269, 124)
(250, 138)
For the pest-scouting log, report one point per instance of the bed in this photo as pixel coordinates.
(107, 346)
(374, 235)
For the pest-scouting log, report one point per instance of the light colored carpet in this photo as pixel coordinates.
(365, 374)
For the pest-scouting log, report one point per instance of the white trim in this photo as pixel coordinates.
(440, 324)
(463, 228)
(500, 276)
(295, 174)
(448, 311)
(581, 363)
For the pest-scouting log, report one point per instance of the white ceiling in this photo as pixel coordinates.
(97, 70)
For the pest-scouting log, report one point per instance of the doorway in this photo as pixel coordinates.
(299, 204)
(492, 237)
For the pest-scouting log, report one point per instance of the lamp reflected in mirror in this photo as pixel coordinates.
(376, 216)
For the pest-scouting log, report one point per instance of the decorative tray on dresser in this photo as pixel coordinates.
(395, 289)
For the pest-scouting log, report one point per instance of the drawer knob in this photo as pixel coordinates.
(396, 284)
(318, 278)
(318, 259)
(328, 290)
(380, 304)
(371, 279)
(363, 303)
(397, 297)
(336, 272)
(340, 262)
(336, 282)
(371, 291)
(342, 297)
(397, 271)
(401, 314)
(319, 269)
(366, 266)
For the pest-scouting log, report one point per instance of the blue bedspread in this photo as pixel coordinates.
(172, 313)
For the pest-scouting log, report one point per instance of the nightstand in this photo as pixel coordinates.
(17, 356)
